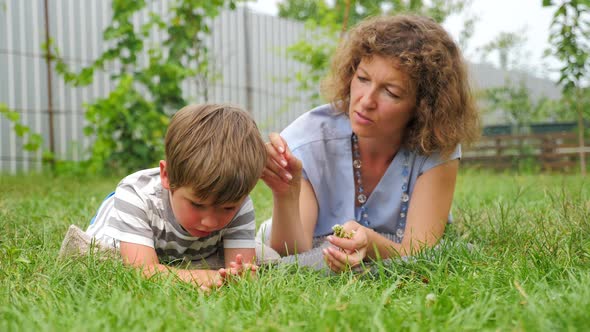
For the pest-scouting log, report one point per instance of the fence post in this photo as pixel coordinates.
(247, 61)
(49, 60)
(581, 134)
(547, 152)
(498, 143)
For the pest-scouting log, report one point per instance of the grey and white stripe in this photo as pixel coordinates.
(139, 212)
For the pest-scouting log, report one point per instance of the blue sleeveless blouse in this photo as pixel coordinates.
(320, 138)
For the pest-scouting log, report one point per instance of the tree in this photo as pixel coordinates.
(335, 12)
(508, 47)
(128, 126)
(570, 38)
(516, 102)
(328, 19)
(511, 98)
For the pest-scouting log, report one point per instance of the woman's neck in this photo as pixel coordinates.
(378, 151)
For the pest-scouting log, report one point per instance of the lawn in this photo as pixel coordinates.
(516, 258)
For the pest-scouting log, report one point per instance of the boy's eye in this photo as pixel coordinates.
(229, 208)
(197, 205)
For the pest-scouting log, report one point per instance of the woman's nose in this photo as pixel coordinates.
(368, 100)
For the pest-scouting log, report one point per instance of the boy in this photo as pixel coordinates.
(195, 204)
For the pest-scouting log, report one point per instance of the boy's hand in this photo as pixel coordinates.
(348, 252)
(238, 268)
(206, 279)
(282, 173)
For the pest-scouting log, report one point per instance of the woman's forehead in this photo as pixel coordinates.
(389, 68)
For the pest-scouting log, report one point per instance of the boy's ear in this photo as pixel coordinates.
(164, 175)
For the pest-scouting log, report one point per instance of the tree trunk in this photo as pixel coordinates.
(345, 18)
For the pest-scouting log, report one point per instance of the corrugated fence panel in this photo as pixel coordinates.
(249, 67)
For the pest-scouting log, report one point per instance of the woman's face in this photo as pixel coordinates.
(382, 99)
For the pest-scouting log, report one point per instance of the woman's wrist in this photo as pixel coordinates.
(288, 195)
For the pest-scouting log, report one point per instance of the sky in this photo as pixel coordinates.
(527, 17)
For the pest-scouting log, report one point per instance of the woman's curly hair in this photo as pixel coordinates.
(445, 112)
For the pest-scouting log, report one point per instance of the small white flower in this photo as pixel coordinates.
(430, 298)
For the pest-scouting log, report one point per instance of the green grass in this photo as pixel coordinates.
(527, 268)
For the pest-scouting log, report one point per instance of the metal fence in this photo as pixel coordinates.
(248, 52)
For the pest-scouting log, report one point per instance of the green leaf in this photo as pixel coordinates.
(20, 129)
(12, 115)
(23, 260)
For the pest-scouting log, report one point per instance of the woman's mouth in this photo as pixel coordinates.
(361, 118)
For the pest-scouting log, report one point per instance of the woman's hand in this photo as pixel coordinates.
(283, 171)
(347, 253)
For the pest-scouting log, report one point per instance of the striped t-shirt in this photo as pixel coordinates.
(139, 212)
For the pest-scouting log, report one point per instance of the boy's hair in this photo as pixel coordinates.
(216, 149)
(445, 113)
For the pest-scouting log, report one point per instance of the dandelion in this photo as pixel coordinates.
(430, 299)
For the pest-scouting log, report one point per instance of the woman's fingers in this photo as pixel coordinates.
(339, 260)
(281, 172)
(334, 264)
(275, 161)
(276, 148)
(278, 142)
(292, 163)
(280, 161)
(348, 244)
(274, 181)
(358, 242)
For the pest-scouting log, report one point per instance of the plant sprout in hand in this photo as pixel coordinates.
(340, 232)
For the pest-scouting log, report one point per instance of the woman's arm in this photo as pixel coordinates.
(428, 212)
(295, 207)
(293, 221)
(427, 217)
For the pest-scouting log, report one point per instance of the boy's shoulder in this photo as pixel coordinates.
(145, 184)
(142, 178)
(246, 207)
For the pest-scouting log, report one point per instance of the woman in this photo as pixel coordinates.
(382, 157)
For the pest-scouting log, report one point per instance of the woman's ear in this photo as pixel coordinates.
(164, 175)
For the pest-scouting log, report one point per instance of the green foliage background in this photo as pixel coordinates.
(127, 126)
(329, 19)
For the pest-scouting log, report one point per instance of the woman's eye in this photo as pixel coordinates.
(391, 94)
(362, 79)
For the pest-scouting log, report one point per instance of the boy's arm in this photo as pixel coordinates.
(145, 258)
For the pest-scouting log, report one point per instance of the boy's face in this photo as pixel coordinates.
(197, 216)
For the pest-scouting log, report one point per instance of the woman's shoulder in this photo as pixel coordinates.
(425, 162)
(319, 124)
